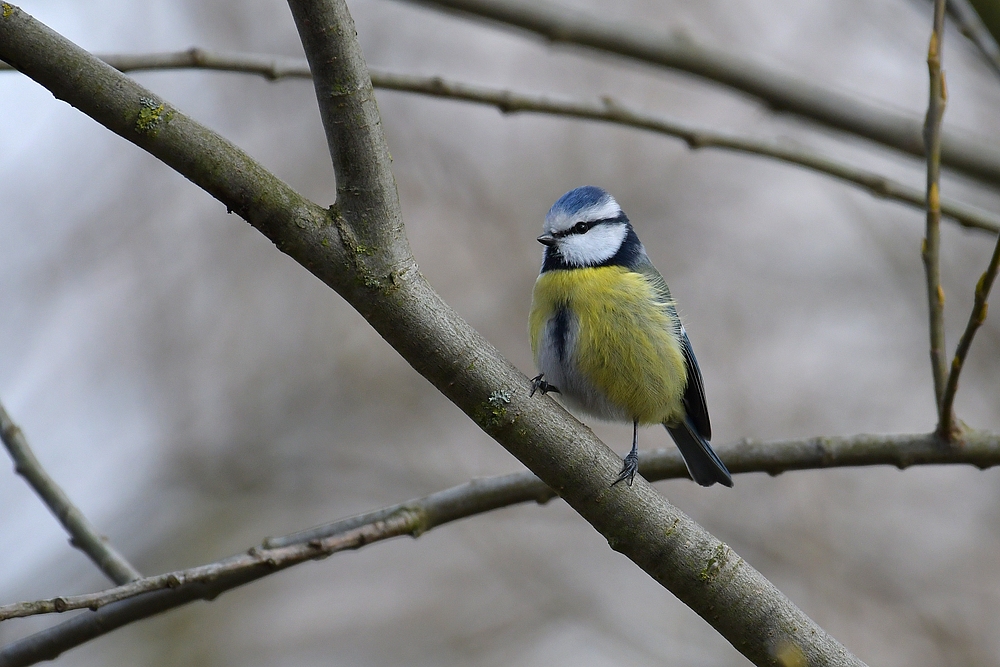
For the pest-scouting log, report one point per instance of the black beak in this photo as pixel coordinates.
(547, 240)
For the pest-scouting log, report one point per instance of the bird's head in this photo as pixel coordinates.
(585, 227)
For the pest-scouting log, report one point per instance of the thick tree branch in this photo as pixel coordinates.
(83, 534)
(974, 156)
(699, 569)
(932, 241)
(360, 250)
(121, 105)
(420, 515)
(610, 111)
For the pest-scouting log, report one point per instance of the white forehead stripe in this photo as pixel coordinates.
(562, 220)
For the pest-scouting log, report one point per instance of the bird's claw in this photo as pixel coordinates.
(630, 465)
(538, 384)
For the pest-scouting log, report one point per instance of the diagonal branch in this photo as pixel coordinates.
(932, 241)
(178, 588)
(976, 319)
(975, 156)
(968, 21)
(83, 534)
(989, 13)
(610, 111)
(416, 517)
(359, 248)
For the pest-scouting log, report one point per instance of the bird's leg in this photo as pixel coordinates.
(538, 384)
(631, 462)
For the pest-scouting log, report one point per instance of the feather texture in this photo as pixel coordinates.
(622, 359)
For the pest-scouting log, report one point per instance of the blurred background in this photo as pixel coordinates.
(194, 390)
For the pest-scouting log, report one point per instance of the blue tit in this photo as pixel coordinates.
(606, 336)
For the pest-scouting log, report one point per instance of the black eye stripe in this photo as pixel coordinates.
(584, 226)
(581, 227)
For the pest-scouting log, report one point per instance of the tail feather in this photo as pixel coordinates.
(702, 462)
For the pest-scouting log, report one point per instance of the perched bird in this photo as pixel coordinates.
(606, 336)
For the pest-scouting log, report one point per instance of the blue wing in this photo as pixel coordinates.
(694, 393)
(693, 434)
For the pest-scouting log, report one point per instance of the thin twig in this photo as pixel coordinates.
(967, 18)
(976, 320)
(274, 559)
(695, 136)
(271, 67)
(178, 588)
(780, 90)
(420, 515)
(931, 250)
(509, 102)
(83, 534)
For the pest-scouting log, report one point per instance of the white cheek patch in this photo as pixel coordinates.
(606, 209)
(597, 245)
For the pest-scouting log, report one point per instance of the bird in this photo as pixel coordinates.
(605, 334)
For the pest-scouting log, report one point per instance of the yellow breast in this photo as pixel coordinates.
(625, 340)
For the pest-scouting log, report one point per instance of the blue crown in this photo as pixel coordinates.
(578, 199)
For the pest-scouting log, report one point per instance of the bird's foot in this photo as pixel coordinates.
(538, 384)
(630, 465)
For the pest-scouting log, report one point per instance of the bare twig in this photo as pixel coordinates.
(932, 242)
(977, 157)
(263, 560)
(976, 320)
(83, 534)
(988, 12)
(968, 21)
(420, 515)
(177, 588)
(609, 111)
(270, 67)
(695, 136)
